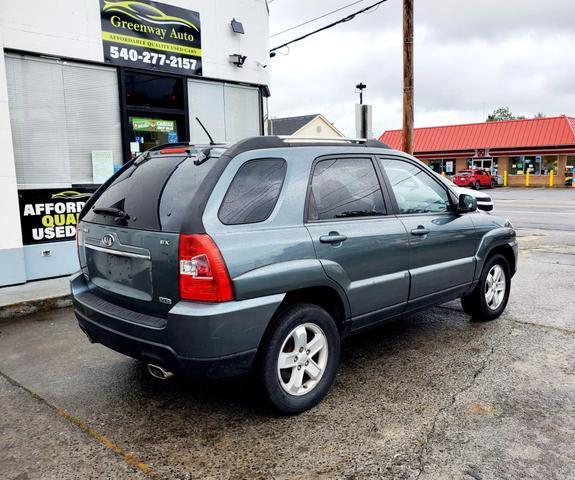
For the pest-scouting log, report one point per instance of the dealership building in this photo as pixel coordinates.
(538, 146)
(85, 85)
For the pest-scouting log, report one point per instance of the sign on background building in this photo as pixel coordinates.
(48, 215)
(151, 35)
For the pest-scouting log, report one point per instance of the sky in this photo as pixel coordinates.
(471, 56)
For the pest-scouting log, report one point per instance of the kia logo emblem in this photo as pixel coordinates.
(107, 240)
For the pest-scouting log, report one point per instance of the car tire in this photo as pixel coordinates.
(492, 185)
(284, 343)
(477, 185)
(489, 298)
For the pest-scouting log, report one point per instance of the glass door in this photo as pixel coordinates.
(147, 132)
(483, 163)
(155, 112)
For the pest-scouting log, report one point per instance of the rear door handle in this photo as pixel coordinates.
(420, 231)
(332, 238)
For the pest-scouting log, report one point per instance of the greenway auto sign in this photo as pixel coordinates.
(51, 215)
(151, 35)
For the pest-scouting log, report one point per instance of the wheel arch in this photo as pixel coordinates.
(507, 251)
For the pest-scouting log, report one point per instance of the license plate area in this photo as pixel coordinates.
(121, 274)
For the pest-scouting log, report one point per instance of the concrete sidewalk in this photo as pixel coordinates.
(37, 296)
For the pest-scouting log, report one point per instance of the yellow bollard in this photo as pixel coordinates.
(505, 178)
(551, 178)
(527, 179)
(443, 174)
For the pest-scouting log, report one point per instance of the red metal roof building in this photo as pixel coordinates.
(536, 145)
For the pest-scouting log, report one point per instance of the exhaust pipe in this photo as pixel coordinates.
(158, 372)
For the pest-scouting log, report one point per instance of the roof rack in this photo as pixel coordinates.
(290, 139)
(275, 141)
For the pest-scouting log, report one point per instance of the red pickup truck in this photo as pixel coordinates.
(475, 178)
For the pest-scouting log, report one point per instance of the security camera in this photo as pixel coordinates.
(237, 59)
(260, 64)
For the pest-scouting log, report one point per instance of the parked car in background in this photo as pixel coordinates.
(484, 200)
(263, 256)
(569, 181)
(474, 178)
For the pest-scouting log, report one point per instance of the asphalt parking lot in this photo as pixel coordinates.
(430, 396)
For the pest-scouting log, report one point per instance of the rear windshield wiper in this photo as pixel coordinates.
(115, 212)
(357, 213)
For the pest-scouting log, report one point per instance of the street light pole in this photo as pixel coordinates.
(407, 136)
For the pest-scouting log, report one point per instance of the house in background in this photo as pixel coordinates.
(306, 126)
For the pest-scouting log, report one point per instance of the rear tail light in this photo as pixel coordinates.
(203, 273)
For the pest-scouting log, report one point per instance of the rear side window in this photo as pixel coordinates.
(254, 191)
(345, 188)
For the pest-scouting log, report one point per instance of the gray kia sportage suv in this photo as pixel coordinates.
(215, 261)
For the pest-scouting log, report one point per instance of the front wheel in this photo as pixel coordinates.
(477, 185)
(489, 298)
(492, 184)
(300, 358)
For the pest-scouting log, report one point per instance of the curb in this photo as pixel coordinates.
(28, 307)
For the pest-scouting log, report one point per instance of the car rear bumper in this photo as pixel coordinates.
(199, 340)
(462, 183)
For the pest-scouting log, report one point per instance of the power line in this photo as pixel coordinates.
(316, 18)
(333, 24)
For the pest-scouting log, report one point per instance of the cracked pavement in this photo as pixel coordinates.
(430, 396)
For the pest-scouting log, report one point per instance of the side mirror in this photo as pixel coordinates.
(467, 203)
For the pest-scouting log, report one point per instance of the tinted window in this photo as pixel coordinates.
(146, 90)
(415, 191)
(344, 188)
(154, 194)
(253, 192)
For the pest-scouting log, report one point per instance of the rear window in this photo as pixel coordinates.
(153, 194)
(464, 172)
(254, 192)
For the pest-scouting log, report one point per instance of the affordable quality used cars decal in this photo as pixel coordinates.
(51, 215)
(151, 35)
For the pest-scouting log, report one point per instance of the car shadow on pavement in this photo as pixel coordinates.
(411, 348)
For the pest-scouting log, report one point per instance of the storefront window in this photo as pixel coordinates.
(436, 165)
(534, 164)
(64, 116)
(517, 165)
(144, 90)
(549, 163)
(569, 166)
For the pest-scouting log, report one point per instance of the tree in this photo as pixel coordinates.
(539, 115)
(503, 113)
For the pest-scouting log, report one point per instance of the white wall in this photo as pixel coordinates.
(72, 28)
(10, 235)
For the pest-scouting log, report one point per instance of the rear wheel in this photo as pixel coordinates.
(477, 185)
(489, 298)
(300, 358)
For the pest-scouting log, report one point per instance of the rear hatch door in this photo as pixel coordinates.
(128, 238)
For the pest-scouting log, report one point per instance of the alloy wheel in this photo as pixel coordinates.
(302, 359)
(495, 285)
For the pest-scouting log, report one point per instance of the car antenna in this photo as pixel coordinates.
(206, 130)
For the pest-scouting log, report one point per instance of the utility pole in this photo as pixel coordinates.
(407, 136)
